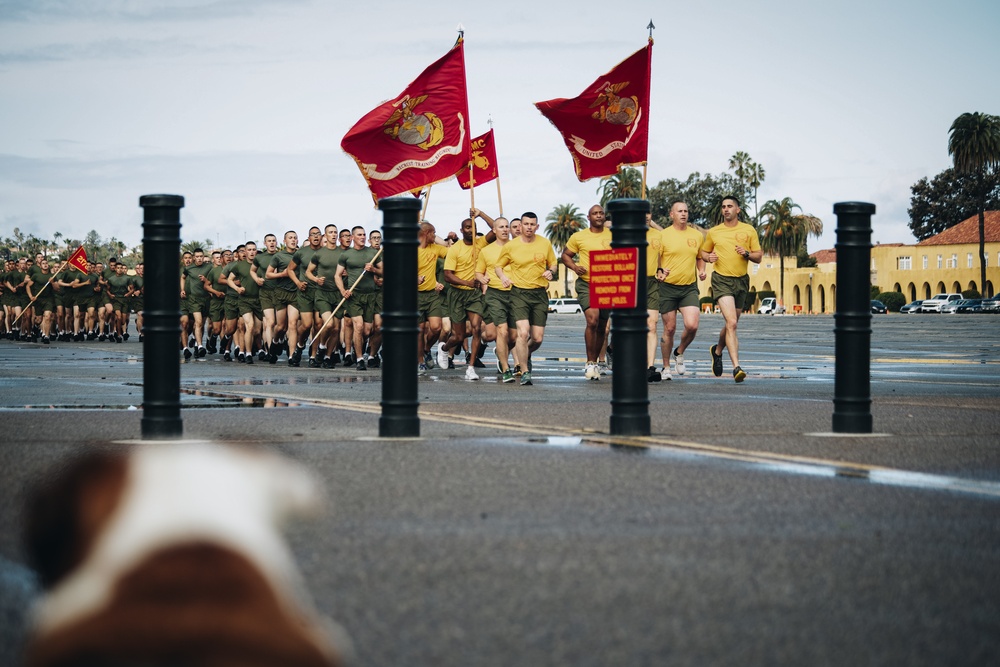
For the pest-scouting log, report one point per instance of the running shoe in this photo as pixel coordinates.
(421, 369)
(679, 362)
(602, 368)
(739, 374)
(470, 373)
(374, 362)
(188, 353)
(592, 373)
(716, 362)
(507, 376)
(653, 375)
(293, 362)
(665, 373)
(227, 356)
(200, 353)
(45, 340)
(249, 361)
(428, 360)
(362, 366)
(517, 370)
(526, 379)
(442, 356)
(451, 363)
(262, 354)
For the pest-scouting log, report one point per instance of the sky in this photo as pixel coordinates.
(240, 105)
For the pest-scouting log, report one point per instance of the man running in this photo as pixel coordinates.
(680, 269)
(531, 262)
(731, 246)
(355, 280)
(580, 245)
(497, 323)
(465, 297)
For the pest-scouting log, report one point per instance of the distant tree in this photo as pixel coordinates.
(974, 145)
(191, 245)
(564, 221)
(783, 231)
(946, 200)
(91, 244)
(627, 183)
(750, 174)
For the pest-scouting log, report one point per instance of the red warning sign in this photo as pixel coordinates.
(614, 276)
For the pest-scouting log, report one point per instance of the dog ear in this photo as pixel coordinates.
(67, 509)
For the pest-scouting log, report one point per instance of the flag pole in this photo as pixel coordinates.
(427, 199)
(30, 303)
(334, 312)
(499, 198)
(644, 165)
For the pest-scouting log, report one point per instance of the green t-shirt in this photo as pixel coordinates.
(354, 261)
(279, 262)
(217, 279)
(118, 285)
(241, 271)
(302, 257)
(325, 263)
(263, 260)
(194, 287)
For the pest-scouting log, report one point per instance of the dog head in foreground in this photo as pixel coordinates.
(171, 555)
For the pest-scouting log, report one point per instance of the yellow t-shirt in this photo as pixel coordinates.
(487, 263)
(724, 240)
(427, 265)
(527, 261)
(653, 243)
(461, 260)
(679, 253)
(584, 242)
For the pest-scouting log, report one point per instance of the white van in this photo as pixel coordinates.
(769, 306)
(564, 306)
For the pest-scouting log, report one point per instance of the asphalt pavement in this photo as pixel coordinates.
(516, 529)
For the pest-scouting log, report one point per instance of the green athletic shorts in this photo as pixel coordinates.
(529, 304)
(737, 287)
(675, 297)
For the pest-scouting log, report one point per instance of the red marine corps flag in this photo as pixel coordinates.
(607, 126)
(420, 137)
(484, 162)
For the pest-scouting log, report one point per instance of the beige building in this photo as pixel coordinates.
(946, 262)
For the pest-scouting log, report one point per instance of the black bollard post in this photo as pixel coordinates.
(400, 327)
(161, 385)
(853, 319)
(629, 389)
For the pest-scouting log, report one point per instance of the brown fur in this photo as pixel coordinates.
(66, 515)
(193, 604)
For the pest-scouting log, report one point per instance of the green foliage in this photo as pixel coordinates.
(892, 300)
(627, 183)
(706, 299)
(948, 199)
(971, 294)
(564, 221)
(875, 291)
(749, 173)
(784, 232)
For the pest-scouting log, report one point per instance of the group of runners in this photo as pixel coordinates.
(43, 300)
(323, 300)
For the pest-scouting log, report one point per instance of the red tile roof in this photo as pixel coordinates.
(967, 231)
(828, 256)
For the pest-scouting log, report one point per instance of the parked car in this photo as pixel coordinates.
(878, 307)
(564, 306)
(934, 305)
(770, 306)
(911, 307)
(991, 305)
(970, 306)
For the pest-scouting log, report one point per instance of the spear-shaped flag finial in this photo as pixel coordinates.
(651, 28)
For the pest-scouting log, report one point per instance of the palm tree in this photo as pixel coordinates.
(755, 176)
(784, 232)
(564, 221)
(975, 146)
(739, 163)
(626, 183)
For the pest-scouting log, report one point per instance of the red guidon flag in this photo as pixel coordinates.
(607, 126)
(420, 137)
(78, 260)
(484, 162)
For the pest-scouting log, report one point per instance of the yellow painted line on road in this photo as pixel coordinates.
(787, 462)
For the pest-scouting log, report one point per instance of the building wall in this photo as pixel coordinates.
(814, 289)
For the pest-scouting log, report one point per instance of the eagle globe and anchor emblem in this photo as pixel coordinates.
(615, 109)
(423, 130)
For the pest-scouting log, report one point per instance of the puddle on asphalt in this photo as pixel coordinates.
(557, 440)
